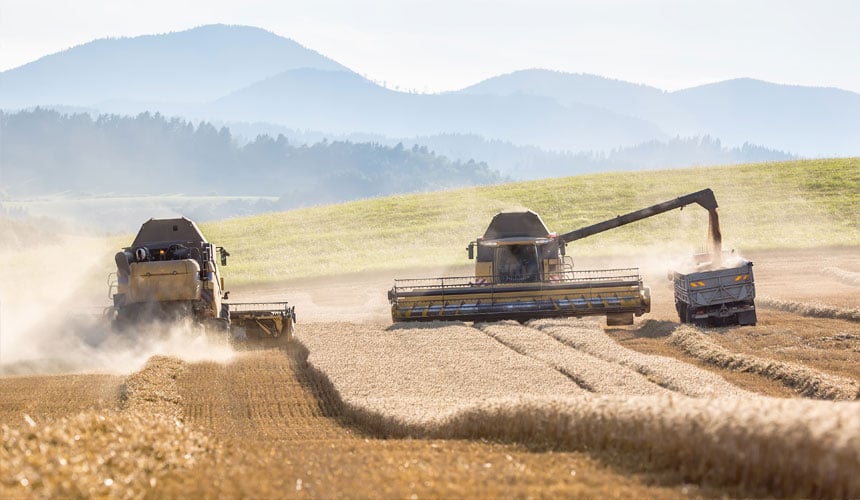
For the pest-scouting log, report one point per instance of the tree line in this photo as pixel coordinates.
(45, 152)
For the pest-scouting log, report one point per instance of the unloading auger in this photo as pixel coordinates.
(522, 273)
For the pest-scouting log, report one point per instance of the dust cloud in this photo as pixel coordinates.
(657, 260)
(53, 298)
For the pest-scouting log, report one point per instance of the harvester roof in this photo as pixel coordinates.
(166, 230)
(516, 225)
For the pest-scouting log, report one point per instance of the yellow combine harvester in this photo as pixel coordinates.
(171, 272)
(522, 273)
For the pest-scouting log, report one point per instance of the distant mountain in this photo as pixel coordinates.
(239, 74)
(193, 66)
(812, 121)
(341, 102)
(572, 89)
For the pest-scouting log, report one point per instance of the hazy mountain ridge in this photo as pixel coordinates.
(572, 88)
(813, 121)
(340, 102)
(186, 67)
(527, 124)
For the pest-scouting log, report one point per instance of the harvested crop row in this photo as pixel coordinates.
(804, 380)
(260, 395)
(96, 454)
(153, 389)
(415, 374)
(304, 452)
(812, 310)
(797, 448)
(105, 454)
(591, 373)
(765, 446)
(675, 375)
(847, 277)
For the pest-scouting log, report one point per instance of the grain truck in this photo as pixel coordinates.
(715, 293)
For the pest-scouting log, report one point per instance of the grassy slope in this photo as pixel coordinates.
(789, 204)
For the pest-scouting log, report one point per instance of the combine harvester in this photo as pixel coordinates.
(170, 273)
(522, 273)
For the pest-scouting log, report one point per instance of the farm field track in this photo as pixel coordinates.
(359, 407)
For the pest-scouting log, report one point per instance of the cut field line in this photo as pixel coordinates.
(592, 373)
(805, 381)
(810, 310)
(843, 275)
(670, 373)
(423, 371)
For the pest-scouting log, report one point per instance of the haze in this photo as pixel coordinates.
(444, 45)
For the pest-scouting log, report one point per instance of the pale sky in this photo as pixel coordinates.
(435, 45)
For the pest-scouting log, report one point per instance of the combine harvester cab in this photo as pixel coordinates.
(521, 273)
(170, 272)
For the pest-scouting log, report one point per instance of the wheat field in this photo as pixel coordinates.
(359, 408)
(724, 434)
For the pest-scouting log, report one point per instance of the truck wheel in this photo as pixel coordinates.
(688, 313)
(747, 318)
(682, 311)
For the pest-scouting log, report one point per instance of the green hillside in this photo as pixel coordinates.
(807, 203)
